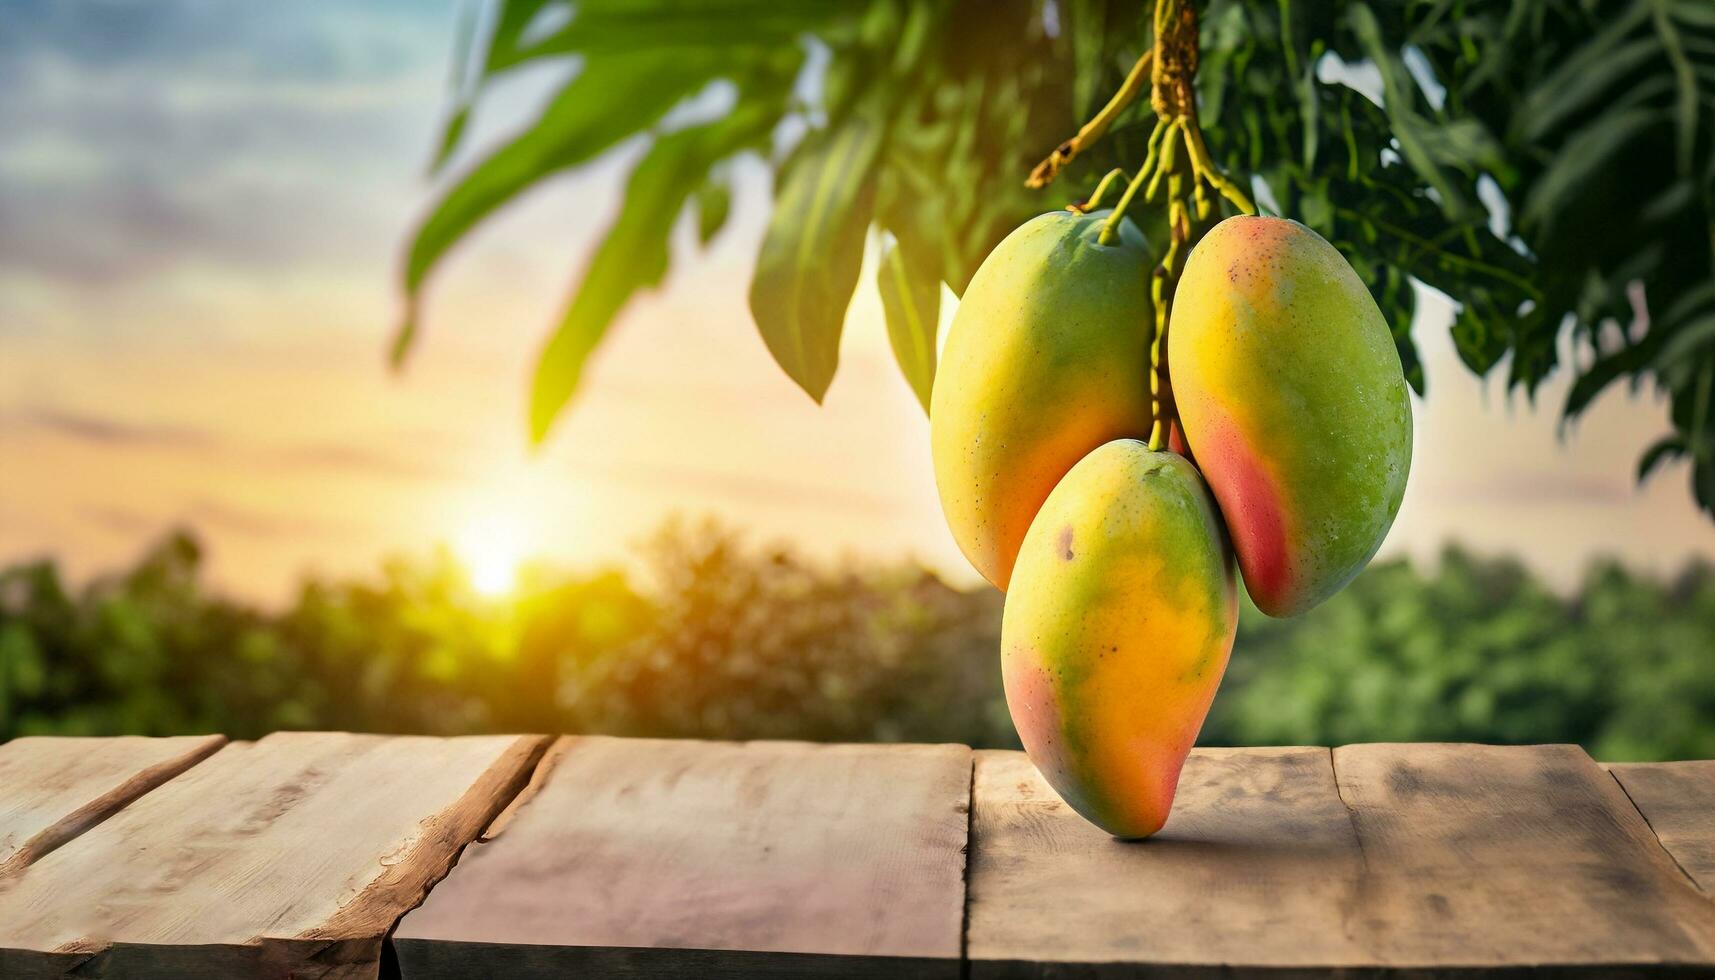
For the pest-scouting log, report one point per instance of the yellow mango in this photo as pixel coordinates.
(1116, 632)
(1047, 358)
(1293, 402)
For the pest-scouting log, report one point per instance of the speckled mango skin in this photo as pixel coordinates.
(1293, 403)
(1116, 632)
(1047, 358)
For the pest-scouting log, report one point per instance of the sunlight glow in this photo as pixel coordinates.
(491, 546)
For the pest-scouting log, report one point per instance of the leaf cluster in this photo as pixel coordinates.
(1549, 165)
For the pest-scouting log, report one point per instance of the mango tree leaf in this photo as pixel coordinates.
(506, 44)
(1556, 194)
(1416, 135)
(634, 254)
(610, 26)
(811, 255)
(1084, 22)
(911, 304)
(510, 22)
(611, 99)
(1664, 449)
(714, 205)
(463, 82)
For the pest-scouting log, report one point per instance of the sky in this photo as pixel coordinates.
(202, 211)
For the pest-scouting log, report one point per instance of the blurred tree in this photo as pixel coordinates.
(722, 640)
(1548, 164)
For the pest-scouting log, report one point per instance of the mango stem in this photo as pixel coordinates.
(1048, 169)
(1111, 227)
(1095, 200)
(1204, 166)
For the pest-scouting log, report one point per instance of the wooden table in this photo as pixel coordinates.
(328, 855)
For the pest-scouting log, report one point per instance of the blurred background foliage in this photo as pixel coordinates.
(1547, 164)
(713, 637)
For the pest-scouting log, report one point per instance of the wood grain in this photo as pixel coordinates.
(1678, 801)
(291, 856)
(643, 857)
(1256, 868)
(1513, 858)
(53, 789)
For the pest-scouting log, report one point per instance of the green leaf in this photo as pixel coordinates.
(1417, 136)
(463, 82)
(1085, 23)
(655, 26)
(1685, 79)
(634, 254)
(911, 303)
(451, 135)
(714, 205)
(1581, 86)
(1664, 449)
(505, 41)
(1581, 158)
(811, 255)
(611, 99)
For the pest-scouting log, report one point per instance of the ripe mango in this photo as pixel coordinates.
(1293, 403)
(1116, 632)
(1047, 358)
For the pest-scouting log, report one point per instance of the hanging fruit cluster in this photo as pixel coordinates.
(1115, 427)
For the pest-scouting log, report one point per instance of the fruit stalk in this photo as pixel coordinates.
(1095, 200)
(1162, 283)
(1048, 169)
(1189, 173)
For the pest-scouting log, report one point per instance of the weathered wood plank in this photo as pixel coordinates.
(1256, 868)
(288, 856)
(643, 857)
(1678, 800)
(53, 789)
(1513, 858)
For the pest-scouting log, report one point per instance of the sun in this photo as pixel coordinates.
(491, 547)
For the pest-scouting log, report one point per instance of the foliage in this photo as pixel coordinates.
(719, 639)
(1548, 164)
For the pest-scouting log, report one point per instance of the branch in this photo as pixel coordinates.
(1063, 154)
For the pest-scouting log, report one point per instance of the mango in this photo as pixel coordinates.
(1047, 358)
(1293, 403)
(1116, 632)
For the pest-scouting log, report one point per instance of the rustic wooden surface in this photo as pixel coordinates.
(1256, 862)
(1678, 800)
(296, 855)
(637, 857)
(1420, 860)
(1502, 856)
(52, 789)
(291, 856)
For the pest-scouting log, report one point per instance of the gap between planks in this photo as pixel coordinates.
(328, 917)
(1651, 825)
(1434, 860)
(515, 793)
(111, 772)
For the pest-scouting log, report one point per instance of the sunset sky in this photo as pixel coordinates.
(202, 208)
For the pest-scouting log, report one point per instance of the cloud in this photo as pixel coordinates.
(263, 137)
(365, 458)
(89, 428)
(303, 40)
(219, 515)
(346, 457)
(696, 481)
(255, 523)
